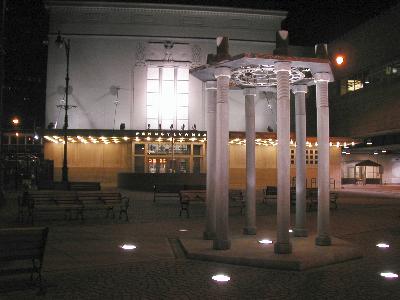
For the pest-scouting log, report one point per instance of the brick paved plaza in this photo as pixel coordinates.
(84, 261)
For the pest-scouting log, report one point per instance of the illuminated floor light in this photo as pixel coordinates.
(221, 278)
(265, 241)
(382, 245)
(128, 247)
(389, 275)
(182, 230)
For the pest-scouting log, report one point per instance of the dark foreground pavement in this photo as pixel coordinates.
(83, 260)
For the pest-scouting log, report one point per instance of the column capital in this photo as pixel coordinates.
(249, 92)
(222, 72)
(282, 66)
(300, 88)
(211, 85)
(322, 77)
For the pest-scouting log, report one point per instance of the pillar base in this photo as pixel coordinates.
(283, 248)
(300, 232)
(221, 244)
(323, 240)
(207, 235)
(250, 230)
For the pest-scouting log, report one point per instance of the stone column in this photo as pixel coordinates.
(299, 92)
(250, 227)
(211, 89)
(222, 240)
(322, 79)
(283, 244)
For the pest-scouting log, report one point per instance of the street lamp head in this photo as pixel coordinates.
(59, 41)
(15, 121)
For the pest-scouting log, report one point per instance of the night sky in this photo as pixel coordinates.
(26, 26)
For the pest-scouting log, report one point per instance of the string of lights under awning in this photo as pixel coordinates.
(235, 138)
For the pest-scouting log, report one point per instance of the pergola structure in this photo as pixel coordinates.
(284, 73)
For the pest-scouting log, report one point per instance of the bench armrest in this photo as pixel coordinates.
(125, 201)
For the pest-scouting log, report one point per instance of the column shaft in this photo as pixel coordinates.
(282, 244)
(211, 89)
(323, 238)
(222, 240)
(250, 227)
(300, 106)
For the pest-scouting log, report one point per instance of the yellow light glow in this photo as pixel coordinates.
(339, 59)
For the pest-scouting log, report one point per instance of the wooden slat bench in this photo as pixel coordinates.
(187, 196)
(270, 193)
(72, 201)
(312, 198)
(236, 199)
(109, 201)
(166, 191)
(23, 244)
(51, 201)
(84, 186)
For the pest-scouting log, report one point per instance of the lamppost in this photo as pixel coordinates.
(62, 42)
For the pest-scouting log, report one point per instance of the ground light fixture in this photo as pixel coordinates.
(265, 241)
(182, 230)
(382, 245)
(389, 275)
(128, 246)
(221, 278)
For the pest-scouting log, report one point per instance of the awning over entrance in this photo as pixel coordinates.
(367, 163)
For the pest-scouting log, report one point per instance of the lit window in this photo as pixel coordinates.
(167, 97)
(354, 84)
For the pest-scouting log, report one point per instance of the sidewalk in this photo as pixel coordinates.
(84, 261)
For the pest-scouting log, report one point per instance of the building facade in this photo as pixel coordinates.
(365, 98)
(136, 108)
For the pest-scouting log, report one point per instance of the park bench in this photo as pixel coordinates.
(270, 193)
(50, 202)
(166, 191)
(312, 198)
(109, 201)
(69, 201)
(19, 245)
(84, 186)
(236, 199)
(188, 196)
